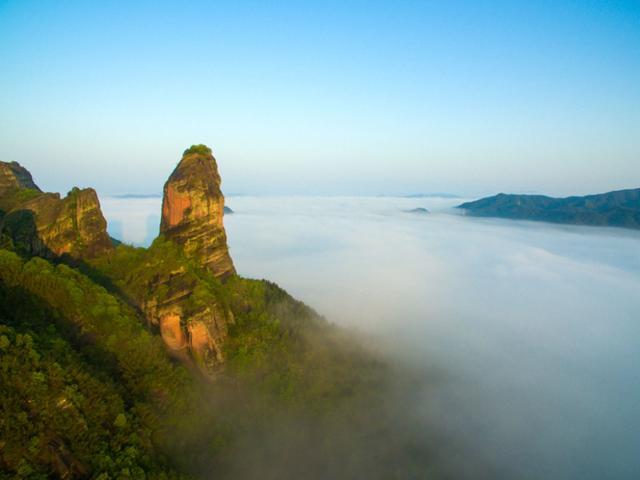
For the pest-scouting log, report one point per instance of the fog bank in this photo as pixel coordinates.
(534, 326)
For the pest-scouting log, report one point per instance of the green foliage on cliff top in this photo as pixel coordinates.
(200, 149)
(13, 198)
(26, 194)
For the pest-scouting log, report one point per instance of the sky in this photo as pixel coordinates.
(329, 98)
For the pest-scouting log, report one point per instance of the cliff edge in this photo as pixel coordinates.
(193, 209)
(46, 225)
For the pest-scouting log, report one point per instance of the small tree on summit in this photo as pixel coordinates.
(200, 148)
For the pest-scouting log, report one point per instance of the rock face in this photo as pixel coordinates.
(193, 209)
(192, 218)
(46, 225)
(191, 321)
(13, 176)
(192, 333)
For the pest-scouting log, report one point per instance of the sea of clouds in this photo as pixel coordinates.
(533, 328)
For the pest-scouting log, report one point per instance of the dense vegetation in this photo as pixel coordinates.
(84, 384)
(119, 362)
(89, 390)
(200, 148)
(613, 209)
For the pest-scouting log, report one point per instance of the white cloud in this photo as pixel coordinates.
(536, 326)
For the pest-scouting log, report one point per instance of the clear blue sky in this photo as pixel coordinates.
(359, 97)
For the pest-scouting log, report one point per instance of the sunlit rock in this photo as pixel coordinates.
(193, 209)
(46, 225)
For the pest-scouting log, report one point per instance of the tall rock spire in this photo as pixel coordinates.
(193, 208)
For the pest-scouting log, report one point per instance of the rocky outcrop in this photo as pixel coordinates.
(193, 209)
(191, 332)
(192, 321)
(196, 336)
(13, 176)
(46, 225)
(192, 218)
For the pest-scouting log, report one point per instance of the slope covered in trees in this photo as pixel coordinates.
(612, 209)
(89, 389)
(84, 385)
(159, 362)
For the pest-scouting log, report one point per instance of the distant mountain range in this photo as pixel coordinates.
(138, 195)
(613, 209)
(432, 195)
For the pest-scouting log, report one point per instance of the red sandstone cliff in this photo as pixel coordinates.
(193, 208)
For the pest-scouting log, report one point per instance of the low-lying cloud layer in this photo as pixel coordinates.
(534, 327)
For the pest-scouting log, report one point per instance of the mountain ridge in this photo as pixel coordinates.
(158, 363)
(46, 224)
(619, 208)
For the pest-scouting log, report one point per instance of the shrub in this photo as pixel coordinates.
(199, 149)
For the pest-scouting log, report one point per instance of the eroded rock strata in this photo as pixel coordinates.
(193, 210)
(192, 219)
(14, 176)
(46, 225)
(193, 329)
(192, 332)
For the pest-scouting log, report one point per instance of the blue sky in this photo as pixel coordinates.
(345, 97)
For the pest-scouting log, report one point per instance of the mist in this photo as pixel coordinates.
(531, 329)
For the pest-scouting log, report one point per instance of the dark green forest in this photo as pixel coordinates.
(613, 209)
(119, 362)
(89, 390)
